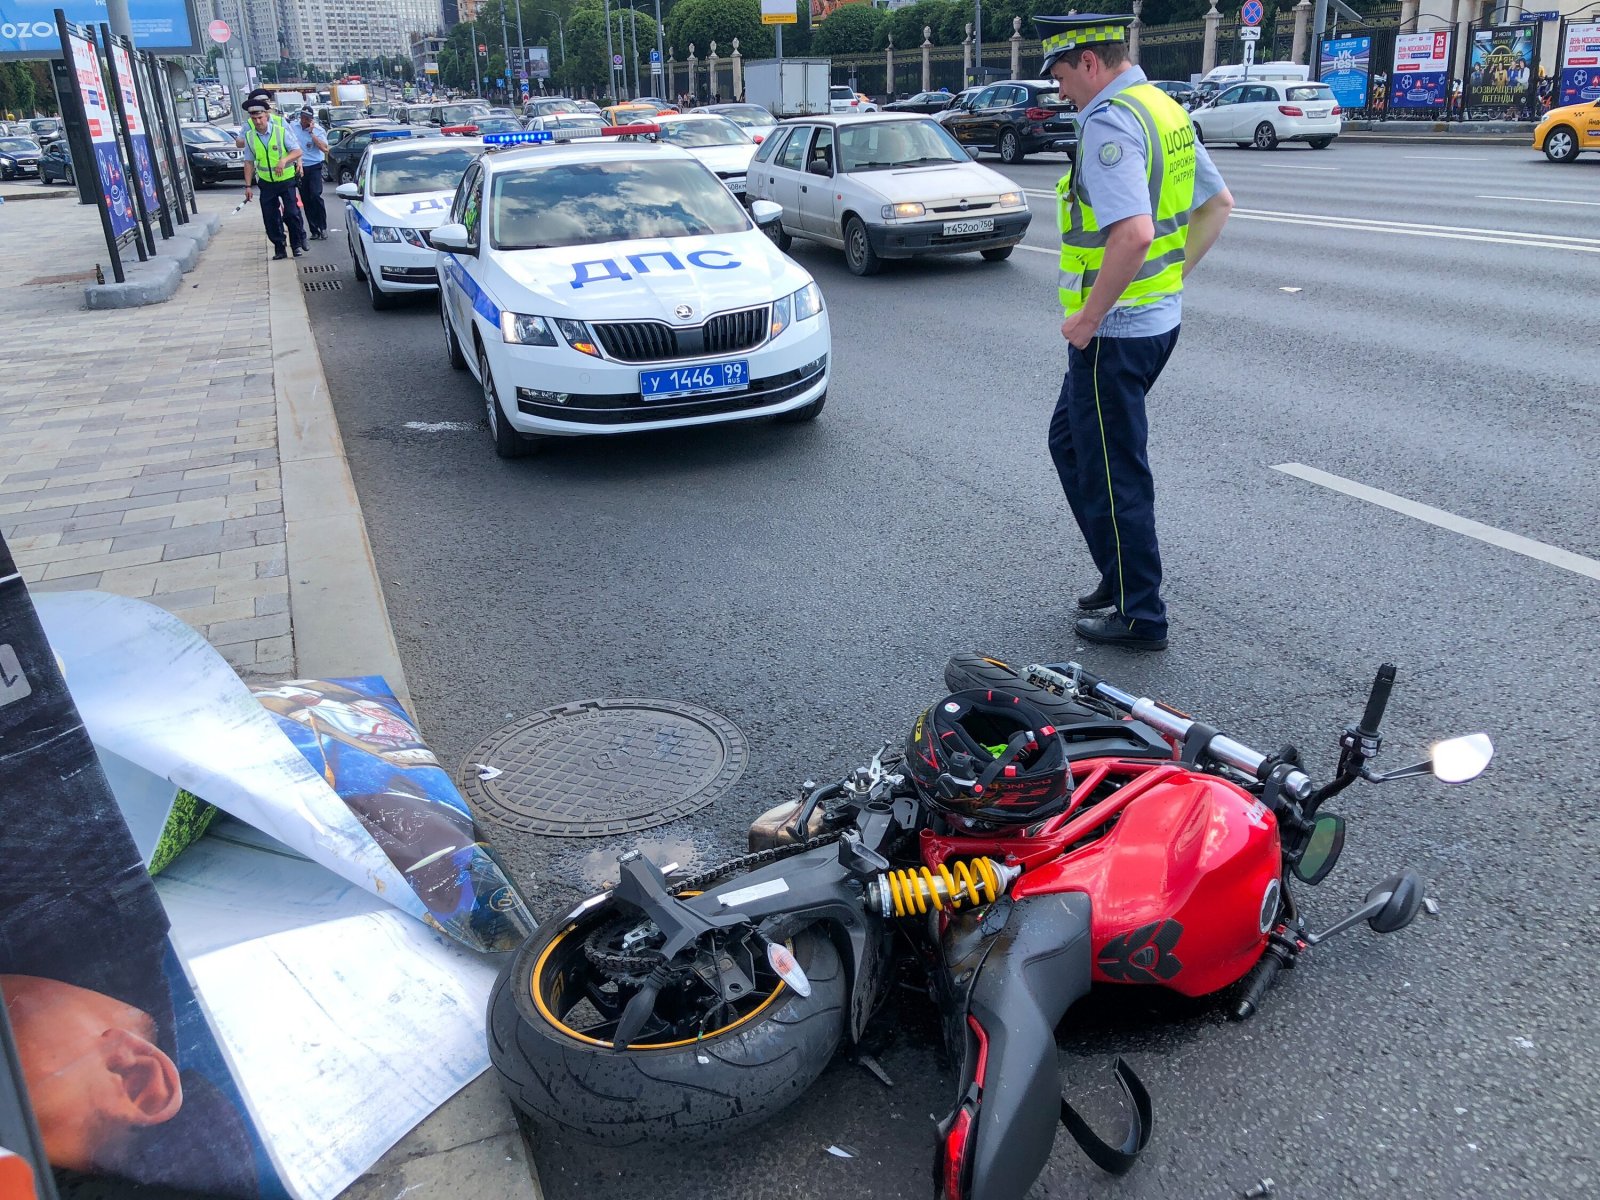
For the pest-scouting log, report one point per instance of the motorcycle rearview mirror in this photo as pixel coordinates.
(1389, 907)
(1454, 760)
(1322, 850)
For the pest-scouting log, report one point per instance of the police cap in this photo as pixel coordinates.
(1061, 34)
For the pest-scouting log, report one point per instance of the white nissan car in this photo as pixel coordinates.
(604, 288)
(403, 188)
(718, 142)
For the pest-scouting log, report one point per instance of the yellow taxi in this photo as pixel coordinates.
(633, 114)
(1566, 131)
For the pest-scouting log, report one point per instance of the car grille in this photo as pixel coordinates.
(655, 341)
(971, 208)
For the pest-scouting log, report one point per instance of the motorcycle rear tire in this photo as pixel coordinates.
(717, 1087)
(973, 670)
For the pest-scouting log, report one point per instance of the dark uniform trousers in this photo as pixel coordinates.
(1097, 439)
(278, 206)
(311, 197)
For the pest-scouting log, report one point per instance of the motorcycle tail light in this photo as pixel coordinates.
(955, 1153)
(1290, 110)
(1037, 114)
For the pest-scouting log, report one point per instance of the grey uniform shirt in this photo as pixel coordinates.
(1111, 160)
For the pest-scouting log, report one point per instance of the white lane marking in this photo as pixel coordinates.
(1290, 290)
(1038, 249)
(1555, 556)
(1447, 157)
(440, 426)
(1543, 200)
(1506, 237)
(1297, 167)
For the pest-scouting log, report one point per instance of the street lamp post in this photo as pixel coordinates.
(633, 14)
(505, 51)
(561, 31)
(611, 56)
(977, 33)
(661, 54)
(477, 67)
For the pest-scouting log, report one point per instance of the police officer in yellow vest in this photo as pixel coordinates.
(272, 158)
(1140, 206)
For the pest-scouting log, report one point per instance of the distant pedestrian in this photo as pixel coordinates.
(272, 157)
(313, 142)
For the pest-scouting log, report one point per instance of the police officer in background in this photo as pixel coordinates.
(1139, 208)
(313, 143)
(272, 159)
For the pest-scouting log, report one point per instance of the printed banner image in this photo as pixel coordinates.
(1346, 64)
(1580, 64)
(1500, 69)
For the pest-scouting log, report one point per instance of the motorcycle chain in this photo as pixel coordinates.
(634, 968)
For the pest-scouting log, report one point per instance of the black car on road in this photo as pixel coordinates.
(347, 143)
(19, 158)
(923, 102)
(1183, 93)
(1014, 118)
(213, 158)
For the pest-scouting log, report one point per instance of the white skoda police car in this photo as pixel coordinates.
(600, 288)
(403, 188)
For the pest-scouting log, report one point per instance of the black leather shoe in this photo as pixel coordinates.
(1112, 630)
(1097, 599)
(280, 253)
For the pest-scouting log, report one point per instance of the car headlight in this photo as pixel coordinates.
(414, 237)
(577, 335)
(525, 330)
(807, 302)
(1012, 200)
(780, 315)
(385, 233)
(8, 160)
(909, 208)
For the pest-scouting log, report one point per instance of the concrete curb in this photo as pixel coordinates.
(183, 248)
(337, 614)
(144, 283)
(471, 1145)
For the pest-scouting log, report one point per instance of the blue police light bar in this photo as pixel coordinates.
(387, 134)
(527, 137)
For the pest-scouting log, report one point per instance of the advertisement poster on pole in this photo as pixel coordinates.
(1580, 64)
(1346, 68)
(28, 27)
(539, 62)
(781, 12)
(1421, 70)
(138, 134)
(102, 134)
(1500, 71)
(820, 9)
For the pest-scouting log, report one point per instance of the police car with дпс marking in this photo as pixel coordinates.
(599, 288)
(403, 188)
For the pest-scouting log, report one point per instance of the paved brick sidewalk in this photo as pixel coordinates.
(138, 448)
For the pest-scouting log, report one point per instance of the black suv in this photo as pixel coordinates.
(1014, 118)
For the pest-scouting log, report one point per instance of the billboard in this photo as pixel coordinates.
(102, 135)
(538, 62)
(1580, 64)
(28, 27)
(138, 135)
(821, 8)
(1346, 68)
(1500, 69)
(1421, 69)
(780, 12)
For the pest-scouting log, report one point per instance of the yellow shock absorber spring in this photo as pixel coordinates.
(913, 891)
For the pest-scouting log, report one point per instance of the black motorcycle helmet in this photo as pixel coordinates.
(988, 755)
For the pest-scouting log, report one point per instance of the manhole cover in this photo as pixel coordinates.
(598, 767)
(322, 285)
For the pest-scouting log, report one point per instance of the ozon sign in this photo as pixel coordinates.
(21, 31)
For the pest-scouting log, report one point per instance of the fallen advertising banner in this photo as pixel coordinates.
(323, 964)
(144, 164)
(114, 188)
(1346, 67)
(1421, 70)
(1500, 72)
(1580, 64)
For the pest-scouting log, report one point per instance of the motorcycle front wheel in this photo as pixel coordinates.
(700, 1070)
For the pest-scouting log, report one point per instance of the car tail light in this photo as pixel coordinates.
(757, 139)
(855, 104)
(1336, 110)
(1037, 114)
(955, 1151)
(1290, 110)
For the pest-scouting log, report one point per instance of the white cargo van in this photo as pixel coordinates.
(1234, 72)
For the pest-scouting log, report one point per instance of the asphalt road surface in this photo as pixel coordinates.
(1413, 319)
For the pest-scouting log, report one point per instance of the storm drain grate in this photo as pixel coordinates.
(322, 285)
(319, 268)
(599, 767)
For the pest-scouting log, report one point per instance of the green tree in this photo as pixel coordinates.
(703, 21)
(854, 29)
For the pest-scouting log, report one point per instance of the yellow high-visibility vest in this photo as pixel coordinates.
(269, 152)
(1169, 170)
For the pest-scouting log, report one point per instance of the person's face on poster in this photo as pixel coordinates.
(94, 1073)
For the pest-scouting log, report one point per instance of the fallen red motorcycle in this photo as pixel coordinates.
(1039, 833)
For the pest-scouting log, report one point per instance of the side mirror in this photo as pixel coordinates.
(819, 166)
(765, 213)
(1459, 759)
(347, 191)
(1400, 897)
(1322, 849)
(452, 238)
(972, 152)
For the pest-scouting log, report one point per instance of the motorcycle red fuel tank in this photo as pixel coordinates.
(1184, 884)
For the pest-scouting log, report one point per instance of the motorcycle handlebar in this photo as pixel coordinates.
(1224, 749)
(1377, 701)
